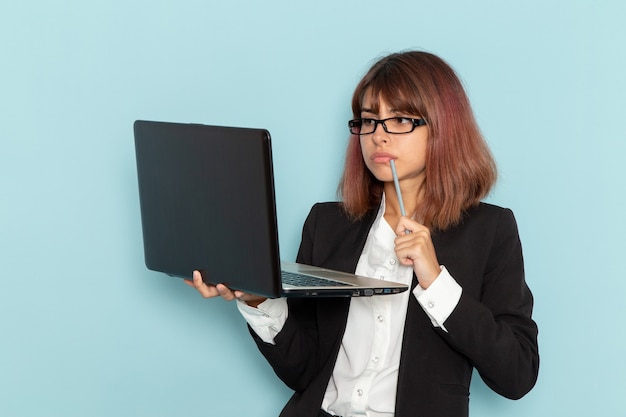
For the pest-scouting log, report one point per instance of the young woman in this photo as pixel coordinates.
(409, 354)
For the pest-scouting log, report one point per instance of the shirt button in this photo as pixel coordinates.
(382, 277)
(360, 392)
(392, 261)
(375, 359)
(430, 304)
(380, 318)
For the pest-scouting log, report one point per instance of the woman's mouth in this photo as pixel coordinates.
(382, 157)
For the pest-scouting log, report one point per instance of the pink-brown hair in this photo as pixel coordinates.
(460, 170)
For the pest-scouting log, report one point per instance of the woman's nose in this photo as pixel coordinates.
(380, 135)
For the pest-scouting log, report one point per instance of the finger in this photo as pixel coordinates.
(225, 292)
(405, 257)
(406, 244)
(244, 296)
(240, 295)
(251, 299)
(406, 225)
(197, 278)
(412, 247)
(402, 228)
(207, 291)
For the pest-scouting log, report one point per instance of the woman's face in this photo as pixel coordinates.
(407, 149)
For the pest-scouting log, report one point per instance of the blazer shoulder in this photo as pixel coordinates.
(489, 214)
(481, 227)
(329, 208)
(332, 215)
(488, 208)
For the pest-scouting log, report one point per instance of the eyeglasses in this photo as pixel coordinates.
(395, 125)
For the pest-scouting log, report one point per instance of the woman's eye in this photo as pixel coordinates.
(402, 120)
(367, 122)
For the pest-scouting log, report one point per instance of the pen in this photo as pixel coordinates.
(397, 184)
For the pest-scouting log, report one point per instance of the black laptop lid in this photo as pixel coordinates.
(207, 202)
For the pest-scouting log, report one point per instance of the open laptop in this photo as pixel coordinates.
(207, 203)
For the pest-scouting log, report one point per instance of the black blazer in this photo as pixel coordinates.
(490, 329)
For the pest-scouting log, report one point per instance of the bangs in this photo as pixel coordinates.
(391, 85)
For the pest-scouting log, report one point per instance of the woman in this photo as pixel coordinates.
(409, 354)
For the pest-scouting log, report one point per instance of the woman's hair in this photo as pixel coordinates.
(460, 169)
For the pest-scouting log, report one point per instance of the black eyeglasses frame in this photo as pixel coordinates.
(356, 123)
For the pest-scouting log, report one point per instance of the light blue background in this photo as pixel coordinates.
(86, 330)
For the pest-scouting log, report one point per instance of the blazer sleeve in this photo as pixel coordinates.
(492, 324)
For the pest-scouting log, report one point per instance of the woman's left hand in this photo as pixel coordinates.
(416, 248)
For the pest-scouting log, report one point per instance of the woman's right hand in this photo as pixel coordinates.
(221, 290)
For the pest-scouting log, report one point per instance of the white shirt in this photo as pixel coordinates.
(365, 376)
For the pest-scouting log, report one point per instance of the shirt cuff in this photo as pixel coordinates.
(267, 319)
(440, 299)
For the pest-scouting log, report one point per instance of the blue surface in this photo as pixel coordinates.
(86, 330)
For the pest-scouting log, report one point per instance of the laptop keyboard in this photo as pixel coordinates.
(298, 280)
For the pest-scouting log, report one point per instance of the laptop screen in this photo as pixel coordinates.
(207, 203)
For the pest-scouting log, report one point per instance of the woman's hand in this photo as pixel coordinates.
(414, 246)
(221, 290)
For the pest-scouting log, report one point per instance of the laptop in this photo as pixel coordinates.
(207, 203)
